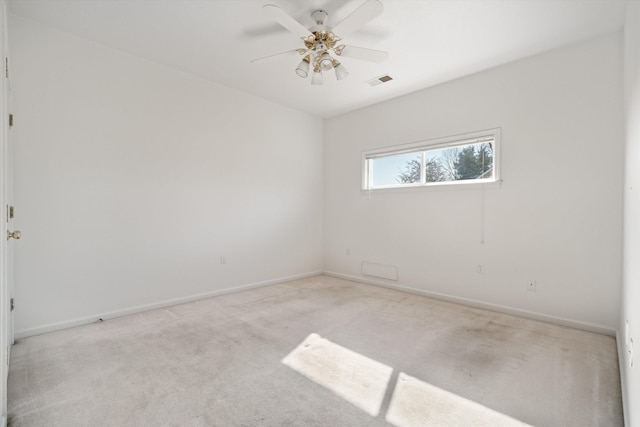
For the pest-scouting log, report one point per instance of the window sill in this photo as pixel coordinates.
(465, 186)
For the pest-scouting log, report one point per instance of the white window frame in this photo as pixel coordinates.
(421, 147)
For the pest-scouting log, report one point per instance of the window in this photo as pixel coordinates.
(460, 159)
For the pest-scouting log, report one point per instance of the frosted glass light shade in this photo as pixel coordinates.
(303, 68)
(326, 62)
(341, 71)
(317, 78)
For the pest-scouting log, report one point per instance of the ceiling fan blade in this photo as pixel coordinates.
(298, 51)
(363, 54)
(286, 20)
(268, 29)
(359, 17)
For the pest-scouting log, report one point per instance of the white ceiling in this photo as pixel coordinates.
(429, 41)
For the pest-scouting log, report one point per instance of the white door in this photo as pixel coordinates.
(9, 210)
(6, 194)
(9, 213)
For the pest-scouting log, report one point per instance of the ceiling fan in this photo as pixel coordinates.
(321, 41)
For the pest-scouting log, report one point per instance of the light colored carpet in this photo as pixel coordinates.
(316, 352)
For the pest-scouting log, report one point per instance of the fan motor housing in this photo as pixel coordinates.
(319, 16)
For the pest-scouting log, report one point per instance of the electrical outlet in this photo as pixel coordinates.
(531, 285)
(480, 269)
(222, 260)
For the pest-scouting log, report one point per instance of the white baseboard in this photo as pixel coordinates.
(142, 308)
(479, 304)
(464, 301)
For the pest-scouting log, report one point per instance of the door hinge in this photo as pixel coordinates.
(12, 304)
(10, 119)
(6, 68)
(9, 212)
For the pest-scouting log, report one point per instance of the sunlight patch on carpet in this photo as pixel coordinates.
(417, 403)
(352, 376)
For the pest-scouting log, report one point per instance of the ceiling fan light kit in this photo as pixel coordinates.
(320, 41)
(319, 44)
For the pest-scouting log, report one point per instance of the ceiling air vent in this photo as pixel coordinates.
(379, 80)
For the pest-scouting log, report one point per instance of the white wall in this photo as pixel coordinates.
(132, 180)
(555, 219)
(631, 250)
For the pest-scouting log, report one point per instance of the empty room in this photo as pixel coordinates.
(320, 213)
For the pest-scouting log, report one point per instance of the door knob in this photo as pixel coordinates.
(14, 235)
